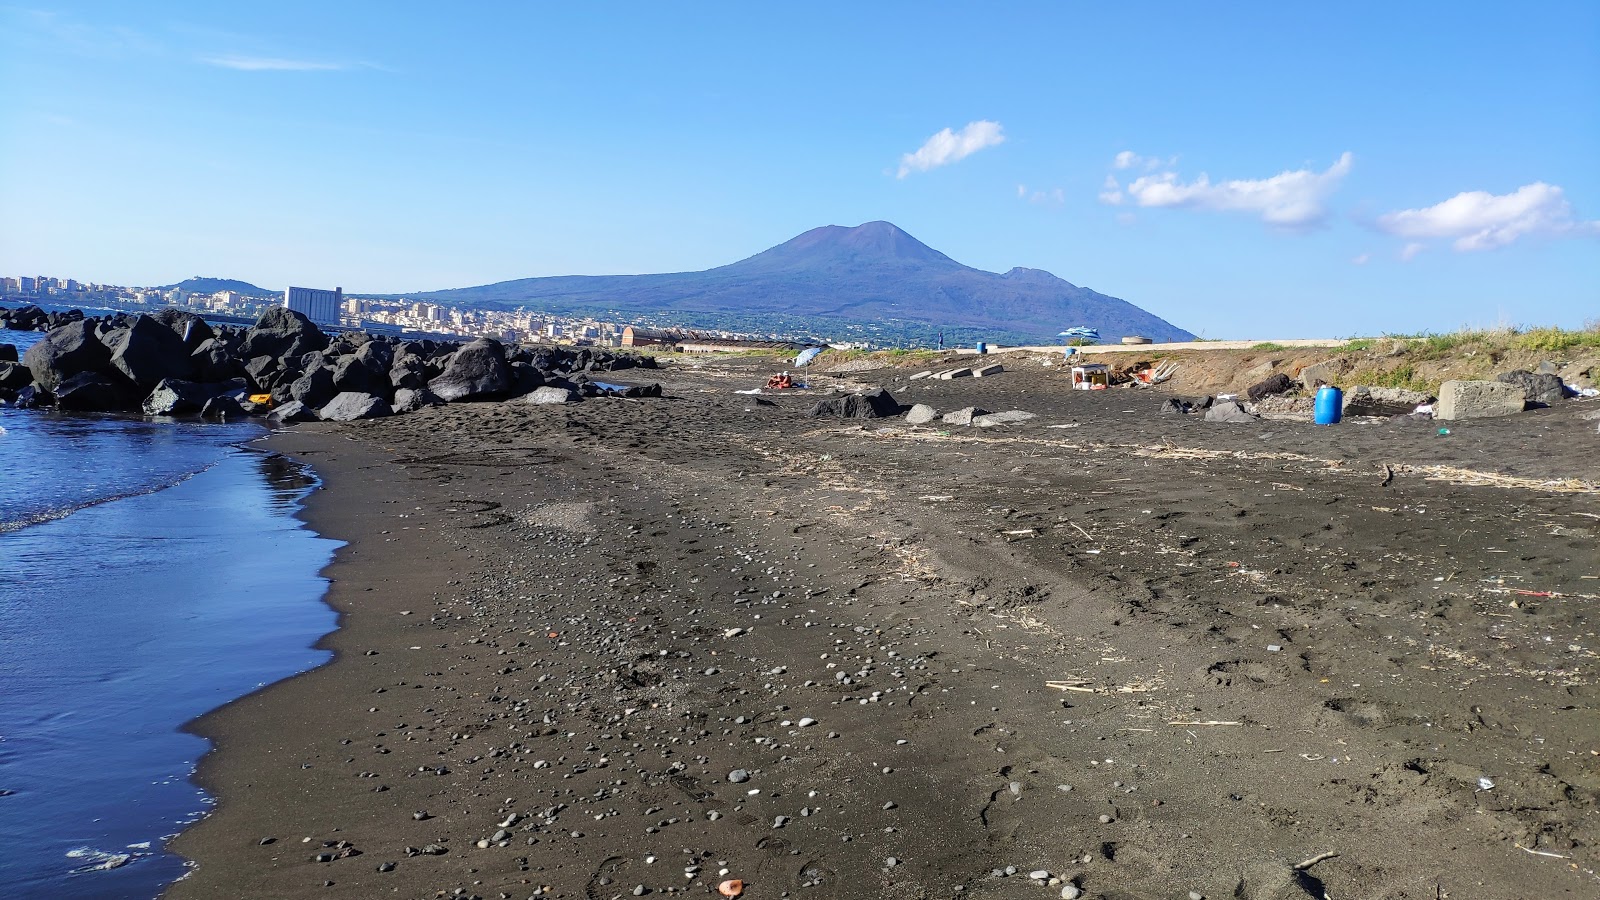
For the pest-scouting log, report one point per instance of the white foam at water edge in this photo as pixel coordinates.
(100, 860)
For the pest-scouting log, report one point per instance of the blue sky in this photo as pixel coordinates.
(1243, 170)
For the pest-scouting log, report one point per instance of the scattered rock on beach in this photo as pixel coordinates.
(963, 416)
(1229, 411)
(550, 394)
(921, 414)
(874, 404)
(293, 411)
(1009, 417)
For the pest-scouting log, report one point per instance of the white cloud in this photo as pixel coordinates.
(1293, 200)
(270, 64)
(1361, 259)
(1128, 159)
(1409, 252)
(1052, 197)
(1478, 220)
(1111, 191)
(949, 146)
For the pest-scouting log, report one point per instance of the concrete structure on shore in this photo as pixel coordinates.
(320, 306)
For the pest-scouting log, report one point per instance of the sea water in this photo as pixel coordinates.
(150, 571)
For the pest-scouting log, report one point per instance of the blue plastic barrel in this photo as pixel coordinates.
(982, 347)
(1329, 407)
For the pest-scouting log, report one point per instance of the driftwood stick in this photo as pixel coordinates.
(1305, 864)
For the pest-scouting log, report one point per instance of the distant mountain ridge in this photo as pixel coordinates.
(873, 273)
(199, 285)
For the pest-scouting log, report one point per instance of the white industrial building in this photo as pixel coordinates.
(320, 306)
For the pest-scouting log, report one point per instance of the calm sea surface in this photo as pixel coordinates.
(149, 572)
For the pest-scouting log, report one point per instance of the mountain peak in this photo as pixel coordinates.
(870, 242)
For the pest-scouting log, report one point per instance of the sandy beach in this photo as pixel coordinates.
(624, 648)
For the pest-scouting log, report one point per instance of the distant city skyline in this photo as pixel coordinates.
(1258, 169)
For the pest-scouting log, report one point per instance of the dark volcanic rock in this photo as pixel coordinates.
(352, 405)
(94, 392)
(376, 354)
(293, 411)
(1538, 389)
(32, 397)
(409, 371)
(15, 375)
(224, 407)
(8, 353)
(874, 404)
(148, 352)
(362, 375)
(212, 361)
(476, 371)
(409, 400)
(280, 331)
(190, 328)
(315, 388)
(261, 369)
(64, 352)
(1277, 384)
(525, 378)
(176, 397)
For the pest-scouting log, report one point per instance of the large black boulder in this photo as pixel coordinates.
(874, 404)
(314, 389)
(213, 362)
(15, 375)
(409, 371)
(525, 378)
(362, 375)
(260, 369)
(190, 328)
(376, 354)
(8, 353)
(281, 331)
(148, 351)
(477, 371)
(224, 407)
(94, 392)
(352, 405)
(66, 351)
(293, 411)
(407, 400)
(176, 397)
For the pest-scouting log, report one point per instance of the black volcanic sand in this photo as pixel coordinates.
(1284, 642)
